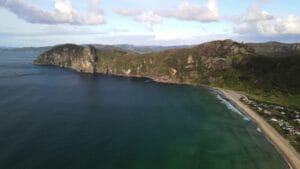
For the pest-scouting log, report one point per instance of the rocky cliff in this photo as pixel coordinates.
(81, 59)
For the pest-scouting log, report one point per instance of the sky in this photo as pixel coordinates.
(146, 22)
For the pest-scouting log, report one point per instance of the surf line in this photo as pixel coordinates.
(231, 106)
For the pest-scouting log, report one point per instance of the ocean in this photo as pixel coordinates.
(53, 118)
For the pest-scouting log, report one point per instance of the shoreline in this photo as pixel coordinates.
(291, 156)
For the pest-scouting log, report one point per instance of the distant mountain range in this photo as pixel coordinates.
(266, 49)
(275, 48)
(41, 49)
(122, 47)
(5, 47)
(148, 49)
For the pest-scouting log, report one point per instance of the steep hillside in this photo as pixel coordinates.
(81, 59)
(201, 64)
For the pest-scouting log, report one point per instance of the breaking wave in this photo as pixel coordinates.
(231, 107)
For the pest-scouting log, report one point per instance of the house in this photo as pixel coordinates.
(254, 104)
(283, 123)
(245, 99)
(265, 105)
(297, 120)
(279, 108)
(297, 131)
(267, 112)
(273, 119)
(291, 130)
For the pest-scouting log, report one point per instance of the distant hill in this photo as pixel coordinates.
(149, 49)
(121, 47)
(265, 49)
(4, 47)
(137, 49)
(276, 48)
(39, 49)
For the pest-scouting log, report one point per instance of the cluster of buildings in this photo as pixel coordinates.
(287, 120)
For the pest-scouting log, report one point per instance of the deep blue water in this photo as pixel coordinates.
(52, 118)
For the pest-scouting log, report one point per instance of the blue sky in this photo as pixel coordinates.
(147, 22)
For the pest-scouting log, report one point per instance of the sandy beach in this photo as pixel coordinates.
(281, 144)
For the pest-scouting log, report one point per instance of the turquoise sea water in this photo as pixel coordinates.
(52, 118)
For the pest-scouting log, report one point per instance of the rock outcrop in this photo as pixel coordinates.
(81, 59)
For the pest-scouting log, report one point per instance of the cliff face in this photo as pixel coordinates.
(81, 59)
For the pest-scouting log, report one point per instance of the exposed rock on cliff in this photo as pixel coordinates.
(81, 59)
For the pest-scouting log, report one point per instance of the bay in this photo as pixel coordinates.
(57, 118)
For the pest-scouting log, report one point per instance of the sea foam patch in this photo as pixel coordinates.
(231, 107)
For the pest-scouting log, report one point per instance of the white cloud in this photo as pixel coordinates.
(126, 12)
(257, 21)
(192, 12)
(184, 11)
(63, 13)
(150, 17)
(292, 25)
(255, 14)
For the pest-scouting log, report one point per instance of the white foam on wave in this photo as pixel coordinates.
(258, 129)
(231, 107)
